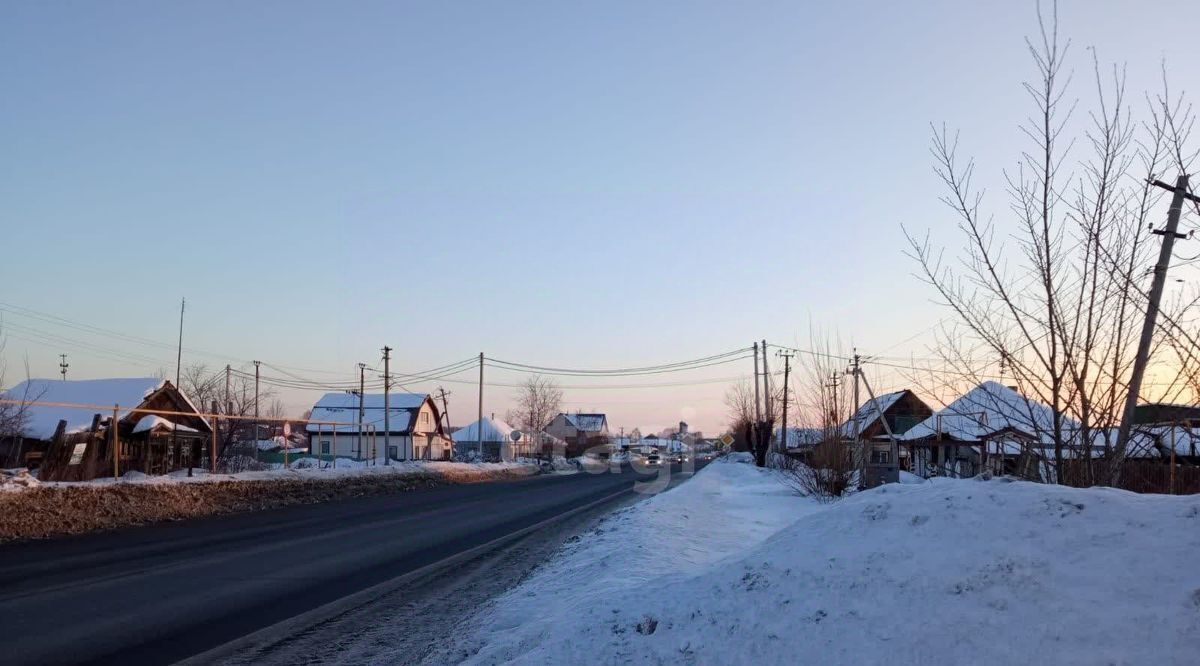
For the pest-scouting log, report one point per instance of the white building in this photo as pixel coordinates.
(410, 429)
(498, 440)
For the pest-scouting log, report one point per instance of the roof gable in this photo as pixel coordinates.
(101, 394)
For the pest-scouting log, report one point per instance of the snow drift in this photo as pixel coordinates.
(949, 571)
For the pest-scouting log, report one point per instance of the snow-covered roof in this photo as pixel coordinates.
(494, 430)
(150, 421)
(868, 412)
(802, 437)
(987, 409)
(343, 408)
(587, 422)
(103, 393)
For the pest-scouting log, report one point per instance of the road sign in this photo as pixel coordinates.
(727, 439)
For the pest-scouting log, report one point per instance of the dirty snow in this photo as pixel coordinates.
(729, 568)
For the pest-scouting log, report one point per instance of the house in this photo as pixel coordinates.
(901, 410)
(993, 427)
(410, 428)
(579, 431)
(500, 440)
(66, 431)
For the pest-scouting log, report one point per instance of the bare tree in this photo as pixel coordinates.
(1055, 305)
(539, 400)
(203, 386)
(14, 416)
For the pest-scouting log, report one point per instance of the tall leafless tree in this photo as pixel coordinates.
(538, 401)
(1050, 296)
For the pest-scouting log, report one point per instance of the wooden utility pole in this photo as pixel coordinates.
(115, 431)
(787, 368)
(63, 365)
(1169, 234)
(387, 411)
(212, 448)
(757, 410)
(479, 430)
(895, 445)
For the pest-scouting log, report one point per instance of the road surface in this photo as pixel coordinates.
(163, 593)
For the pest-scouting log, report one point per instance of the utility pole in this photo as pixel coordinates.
(387, 405)
(787, 368)
(767, 400)
(256, 424)
(1169, 234)
(856, 370)
(362, 396)
(63, 365)
(479, 429)
(757, 410)
(445, 411)
(179, 350)
(894, 458)
(228, 404)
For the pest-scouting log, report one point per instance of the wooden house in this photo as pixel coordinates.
(67, 430)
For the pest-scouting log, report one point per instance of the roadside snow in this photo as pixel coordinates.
(729, 568)
(305, 468)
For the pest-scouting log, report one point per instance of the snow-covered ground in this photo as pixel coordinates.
(730, 568)
(303, 469)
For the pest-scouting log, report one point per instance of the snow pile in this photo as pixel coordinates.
(677, 535)
(944, 572)
(17, 479)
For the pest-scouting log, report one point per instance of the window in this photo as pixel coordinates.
(325, 446)
(881, 457)
(393, 453)
(425, 418)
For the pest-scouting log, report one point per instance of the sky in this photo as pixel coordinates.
(572, 185)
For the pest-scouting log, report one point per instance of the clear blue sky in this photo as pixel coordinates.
(572, 184)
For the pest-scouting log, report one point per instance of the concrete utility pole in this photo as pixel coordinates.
(1169, 234)
(768, 403)
(856, 370)
(442, 393)
(179, 350)
(362, 396)
(787, 368)
(63, 365)
(757, 410)
(256, 424)
(228, 404)
(387, 405)
(479, 429)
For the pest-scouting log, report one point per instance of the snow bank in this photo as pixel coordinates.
(944, 572)
(17, 479)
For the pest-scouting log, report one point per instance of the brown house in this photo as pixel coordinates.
(66, 433)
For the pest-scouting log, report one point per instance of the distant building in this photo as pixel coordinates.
(413, 421)
(579, 431)
(500, 440)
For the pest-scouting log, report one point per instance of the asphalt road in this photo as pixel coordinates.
(166, 592)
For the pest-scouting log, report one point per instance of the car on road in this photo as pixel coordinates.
(654, 460)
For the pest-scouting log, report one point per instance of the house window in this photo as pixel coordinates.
(393, 453)
(425, 418)
(325, 446)
(881, 457)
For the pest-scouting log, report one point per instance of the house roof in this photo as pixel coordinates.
(494, 430)
(867, 412)
(802, 437)
(342, 408)
(101, 393)
(985, 410)
(587, 422)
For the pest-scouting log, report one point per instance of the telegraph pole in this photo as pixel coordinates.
(228, 404)
(445, 412)
(1169, 234)
(757, 410)
(63, 365)
(387, 411)
(787, 368)
(479, 429)
(856, 370)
